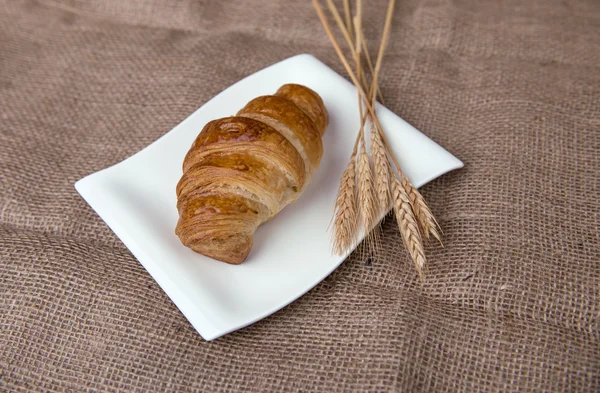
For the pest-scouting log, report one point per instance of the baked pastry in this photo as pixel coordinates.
(243, 170)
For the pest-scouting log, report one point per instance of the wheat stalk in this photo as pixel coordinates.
(366, 193)
(340, 53)
(408, 226)
(348, 16)
(347, 33)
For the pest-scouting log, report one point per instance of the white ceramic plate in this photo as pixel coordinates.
(291, 253)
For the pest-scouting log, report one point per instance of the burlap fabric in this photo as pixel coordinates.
(511, 303)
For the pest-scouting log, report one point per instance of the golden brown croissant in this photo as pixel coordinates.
(242, 170)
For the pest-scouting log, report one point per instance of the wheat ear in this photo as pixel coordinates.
(345, 223)
(366, 198)
(408, 226)
(382, 171)
(427, 222)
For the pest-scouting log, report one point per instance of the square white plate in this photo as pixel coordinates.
(291, 253)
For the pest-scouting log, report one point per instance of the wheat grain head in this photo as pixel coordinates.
(427, 222)
(382, 171)
(408, 226)
(345, 222)
(366, 198)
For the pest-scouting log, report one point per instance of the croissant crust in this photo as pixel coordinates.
(242, 170)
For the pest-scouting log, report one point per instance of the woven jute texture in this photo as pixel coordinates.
(512, 302)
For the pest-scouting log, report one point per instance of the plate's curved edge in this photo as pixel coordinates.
(285, 304)
(456, 164)
(194, 314)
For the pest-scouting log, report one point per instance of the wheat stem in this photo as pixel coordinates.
(351, 74)
(365, 48)
(348, 17)
(382, 46)
(346, 32)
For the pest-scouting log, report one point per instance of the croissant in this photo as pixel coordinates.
(243, 170)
